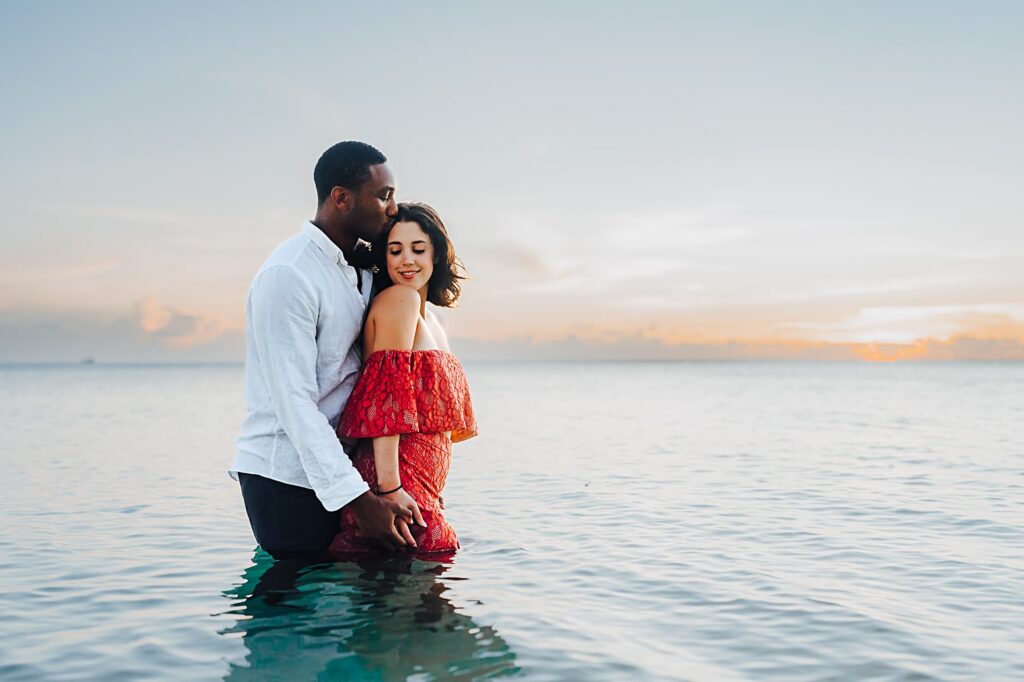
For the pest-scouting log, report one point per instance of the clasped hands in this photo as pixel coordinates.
(402, 522)
(386, 519)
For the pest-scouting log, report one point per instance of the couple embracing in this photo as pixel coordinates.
(353, 397)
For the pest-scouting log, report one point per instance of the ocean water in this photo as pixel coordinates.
(695, 521)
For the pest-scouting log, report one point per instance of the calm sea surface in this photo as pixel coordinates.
(701, 521)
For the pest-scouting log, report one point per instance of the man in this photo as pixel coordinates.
(303, 320)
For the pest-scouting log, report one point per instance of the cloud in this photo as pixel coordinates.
(151, 316)
(906, 324)
(591, 263)
(638, 347)
(890, 286)
(597, 254)
(175, 328)
(153, 332)
(957, 348)
(146, 332)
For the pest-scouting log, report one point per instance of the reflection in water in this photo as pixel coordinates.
(380, 619)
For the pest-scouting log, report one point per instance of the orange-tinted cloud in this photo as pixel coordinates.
(178, 329)
(640, 347)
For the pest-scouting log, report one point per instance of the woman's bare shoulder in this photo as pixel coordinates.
(396, 300)
(394, 314)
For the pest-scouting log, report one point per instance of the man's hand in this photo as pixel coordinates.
(379, 519)
(405, 501)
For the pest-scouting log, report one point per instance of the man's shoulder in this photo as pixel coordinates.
(288, 252)
(284, 272)
(290, 260)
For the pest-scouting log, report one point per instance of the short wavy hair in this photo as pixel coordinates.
(443, 288)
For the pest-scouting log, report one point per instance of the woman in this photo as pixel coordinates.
(411, 401)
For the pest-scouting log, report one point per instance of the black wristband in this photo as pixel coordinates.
(388, 492)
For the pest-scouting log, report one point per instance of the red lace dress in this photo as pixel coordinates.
(423, 396)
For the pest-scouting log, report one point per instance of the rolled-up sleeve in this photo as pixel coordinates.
(283, 312)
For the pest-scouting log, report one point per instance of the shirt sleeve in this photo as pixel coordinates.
(284, 309)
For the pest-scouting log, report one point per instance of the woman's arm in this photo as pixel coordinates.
(385, 458)
(396, 311)
(395, 314)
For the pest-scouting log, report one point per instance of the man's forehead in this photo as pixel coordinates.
(381, 176)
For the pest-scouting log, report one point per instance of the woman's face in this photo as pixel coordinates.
(410, 255)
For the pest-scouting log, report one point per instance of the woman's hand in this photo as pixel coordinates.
(405, 501)
(379, 518)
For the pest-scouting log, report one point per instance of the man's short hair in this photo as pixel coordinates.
(346, 164)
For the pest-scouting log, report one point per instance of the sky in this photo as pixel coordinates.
(628, 180)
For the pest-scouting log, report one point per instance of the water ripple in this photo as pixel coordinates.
(691, 521)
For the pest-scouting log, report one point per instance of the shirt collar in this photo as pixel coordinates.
(334, 254)
(324, 242)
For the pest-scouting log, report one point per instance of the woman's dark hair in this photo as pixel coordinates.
(443, 288)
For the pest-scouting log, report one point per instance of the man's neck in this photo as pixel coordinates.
(339, 237)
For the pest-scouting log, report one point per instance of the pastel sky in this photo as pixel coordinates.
(622, 179)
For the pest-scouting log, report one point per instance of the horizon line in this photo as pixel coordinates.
(550, 361)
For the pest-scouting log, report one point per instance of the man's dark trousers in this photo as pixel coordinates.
(287, 520)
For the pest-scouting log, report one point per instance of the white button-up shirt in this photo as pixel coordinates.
(303, 320)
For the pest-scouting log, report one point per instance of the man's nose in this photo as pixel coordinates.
(392, 210)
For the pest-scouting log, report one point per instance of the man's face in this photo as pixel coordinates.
(375, 204)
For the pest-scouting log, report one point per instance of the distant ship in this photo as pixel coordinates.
(88, 361)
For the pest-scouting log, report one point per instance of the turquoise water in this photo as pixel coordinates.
(703, 521)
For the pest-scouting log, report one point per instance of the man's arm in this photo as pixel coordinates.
(284, 311)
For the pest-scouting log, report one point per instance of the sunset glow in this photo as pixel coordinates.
(673, 181)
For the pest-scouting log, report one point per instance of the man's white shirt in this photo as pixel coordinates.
(303, 320)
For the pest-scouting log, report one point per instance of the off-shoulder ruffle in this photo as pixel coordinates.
(402, 391)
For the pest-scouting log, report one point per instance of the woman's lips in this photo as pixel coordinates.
(407, 275)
